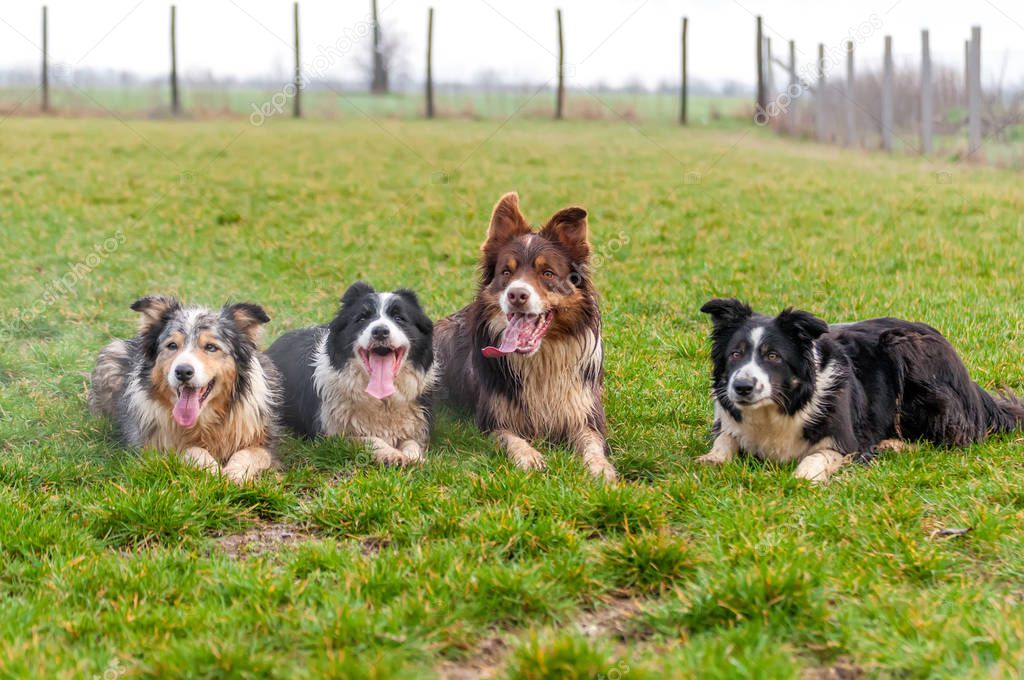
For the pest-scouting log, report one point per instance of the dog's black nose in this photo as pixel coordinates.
(744, 388)
(380, 332)
(518, 296)
(184, 372)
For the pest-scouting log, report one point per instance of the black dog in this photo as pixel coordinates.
(365, 375)
(792, 388)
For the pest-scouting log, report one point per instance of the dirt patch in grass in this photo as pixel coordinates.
(485, 662)
(371, 547)
(608, 620)
(842, 669)
(261, 539)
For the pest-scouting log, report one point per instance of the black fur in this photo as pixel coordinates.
(891, 379)
(293, 352)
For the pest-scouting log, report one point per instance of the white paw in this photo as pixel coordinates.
(713, 458)
(413, 452)
(396, 458)
(199, 457)
(817, 468)
(239, 474)
(528, 458)
(603, 471)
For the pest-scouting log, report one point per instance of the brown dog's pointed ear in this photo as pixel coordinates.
(154, 310)
(506, 220)
(247, 317)
(569, 228)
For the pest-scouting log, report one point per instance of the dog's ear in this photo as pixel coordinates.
(506, 222)
(569, 228)
(803, 326)
(247, 317)
(154, 310)
(727, 311)
(419, 317)
(355, 291)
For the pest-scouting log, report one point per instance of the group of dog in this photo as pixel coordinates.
(526, 358)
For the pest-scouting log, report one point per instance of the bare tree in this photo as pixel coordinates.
(386, 54)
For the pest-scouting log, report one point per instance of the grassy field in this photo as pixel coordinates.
(118, 564)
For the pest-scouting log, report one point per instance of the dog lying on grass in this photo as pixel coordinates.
(192, 381)
(793, 388)
(366, 375)
(526, 357)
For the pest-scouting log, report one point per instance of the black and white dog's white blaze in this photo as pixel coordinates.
(365, 375)
(793, 388)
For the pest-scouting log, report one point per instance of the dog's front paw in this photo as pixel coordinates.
(413, 452)
(396, 457)
(603, 471)
(198, 457)
(239, 474)
(714, 458)
(527, 458)
(817, 468)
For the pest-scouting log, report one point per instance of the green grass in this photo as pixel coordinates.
(258, 104)
(115, 561)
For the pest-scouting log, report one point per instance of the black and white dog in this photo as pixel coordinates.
(366, 375)
(792, 388)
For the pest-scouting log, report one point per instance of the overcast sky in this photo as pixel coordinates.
(612, 41)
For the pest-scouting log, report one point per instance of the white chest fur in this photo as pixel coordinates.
(553, 387)
(347, 410)
(770, 434)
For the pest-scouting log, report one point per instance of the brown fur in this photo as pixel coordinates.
(555, 393)
(236, 424)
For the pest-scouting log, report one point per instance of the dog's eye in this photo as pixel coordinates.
(548, 274)
(171, 346)
(506, 272)
(211, 348)
(773, 357)
(397, 317)
(736, 354)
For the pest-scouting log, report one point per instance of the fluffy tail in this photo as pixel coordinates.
(106, 384)
(1004, 411)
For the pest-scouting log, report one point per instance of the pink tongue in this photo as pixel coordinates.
(186, 409)
(509, 339)
(382, 375)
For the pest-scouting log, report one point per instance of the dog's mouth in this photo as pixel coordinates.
(382, 363)
(190, 403)
(522, 335)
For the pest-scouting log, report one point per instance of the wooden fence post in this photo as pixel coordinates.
(926, 95)
(967, 72)
(762, 96)
(379, 84)
(430, 60)
(819, 108)
(974, 95)
(46, 63)
(175, 100)
(297, 98)
(560, 95)
(682, 89)
(851, 121)
(887, 76)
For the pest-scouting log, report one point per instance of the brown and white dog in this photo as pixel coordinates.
(526, 356)
(193, 382)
